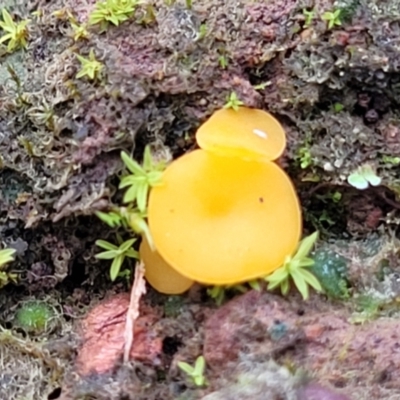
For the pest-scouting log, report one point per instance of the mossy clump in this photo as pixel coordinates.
(35, 317)
(173, 306)
(330, 268)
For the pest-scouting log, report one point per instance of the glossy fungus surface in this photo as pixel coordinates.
(247, 133)
(159, 274)
(223, 220)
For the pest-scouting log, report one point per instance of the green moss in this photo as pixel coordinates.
(34, 316)
(326, 212)
(173, 306)
(330, 269)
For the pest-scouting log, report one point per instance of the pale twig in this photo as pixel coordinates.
(138, 289)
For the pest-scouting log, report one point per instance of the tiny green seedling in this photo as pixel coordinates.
(90, 66)
(309, 16)
(223, 61)
(218, 293)
(363, 177)
(127, 217)
(80, 31)
(112, 11)
(6, 256)
(338, 107)
(304, 156)
(117, 254)
(37, 13)
(16, 33)
(112, 218)
(368, 309)
(137, 222)
(262, 86)
(332, 18)
(255, 284)
(141, 179)
(233, 102)
(126, 274)
(336, 196)
(295, 268)
(196, 373)
(202, 31)
(390, 160)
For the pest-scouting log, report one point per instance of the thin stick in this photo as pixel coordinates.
(138, 289)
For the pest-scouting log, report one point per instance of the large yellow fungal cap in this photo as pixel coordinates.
(246, 133)
(223, 220)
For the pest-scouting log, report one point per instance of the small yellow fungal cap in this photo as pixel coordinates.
(247, 133)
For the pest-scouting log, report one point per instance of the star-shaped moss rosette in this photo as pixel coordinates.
(16, 34)
(6, 256)
(112, 12)
(90, 67)
(233, 102)
(295, 269)
(127, 217)
(117, 254)
(141, 179)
